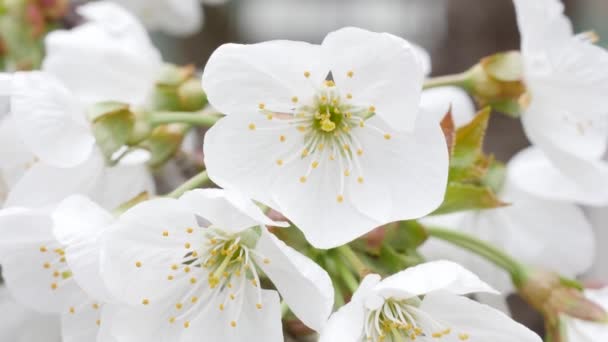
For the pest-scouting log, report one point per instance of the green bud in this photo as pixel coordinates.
(178, 89)
(497, 81)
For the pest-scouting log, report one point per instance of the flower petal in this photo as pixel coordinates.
(109, 57)
(563, 177)
(439, 101)
(431, 277)
(175, 17)
(541, 23)
(386, 73)
(128, 324)
(228, 210)
(29, 262)
(44, 184)
(24, 325)
(79, 224)
(347, 323)
(121, 183)
(264, 324)
(43, 105)
(82, 323)
(304, 285)
(140, 250)
(404, 177)
(477, 321)
(239, 79)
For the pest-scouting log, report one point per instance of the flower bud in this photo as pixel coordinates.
(112, 126)
(164, 142)
(179, 90)
(497, 81)
(556, 297)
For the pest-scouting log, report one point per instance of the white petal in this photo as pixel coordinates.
(430, 277)
(20, 324)
(49, 120)
(424, 58)
(438, 101)
(176, 17)
(228, 210)
(347, 323)
(541, 23)
(599, 218)
(264, 324)
(78, 224)
(404, 177)
(43, 184)
(304, 285)
(24, 268)
(551, 126)
(121, 183)
(128, 324)
(238, 78)
(387, 73)
(110, 57)
(139, 250)
(81, 324)
(478, 321)
(15, 156)
(573, 179)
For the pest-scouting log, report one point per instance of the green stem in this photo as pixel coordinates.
(190, 184)
(348, 278)
(481, 248)
(351, 257)
(456, 80)
(193, 118)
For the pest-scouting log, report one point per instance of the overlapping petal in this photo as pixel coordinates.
(378, 69)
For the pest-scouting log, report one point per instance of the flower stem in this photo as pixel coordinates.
(351, 257)
(481, 248)
(193, 118)
(194, 182)
(456, 80)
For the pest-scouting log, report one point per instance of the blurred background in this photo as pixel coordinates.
(457, 33)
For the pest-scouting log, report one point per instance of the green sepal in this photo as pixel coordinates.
(464, 197)
(112, 126)
(164, 142)
(504, 66)
(468, 161)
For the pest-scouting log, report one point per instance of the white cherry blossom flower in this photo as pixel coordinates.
(566, 76)
(50, 151)
(424, 303)
(21, 324)
(338, 156)
(190, 270)
(107, 58)
(583, 331)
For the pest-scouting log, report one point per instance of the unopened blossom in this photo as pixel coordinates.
(21, 324)
(190, 269)
(423, 303)
(566, 77)
(109, 57)
(584, 331)
(329, 135)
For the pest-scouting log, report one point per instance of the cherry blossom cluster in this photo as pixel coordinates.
(341, 187)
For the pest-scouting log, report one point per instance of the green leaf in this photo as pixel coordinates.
(463, 197)
(112, 126)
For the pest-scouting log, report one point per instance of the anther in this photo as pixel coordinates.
(340, 198)
(72, 310)
(165, 233)
(261, 106)
(189, 230)
(138, 264)
(187, 245)
(186, 324)
(179, 306)
(43, 249)
(294, 99)
(350, 73)
(303, 179)
(349, 96)
(307, 74)
(145, 301)
(279, 162)
(387, 136)
(372, 109)
(259, 306)
(282, 138)
(360, 180)
(251, 126)
(233, 324)
(315, 164)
